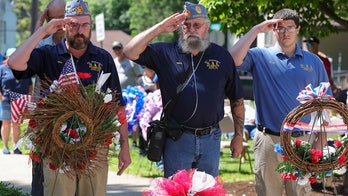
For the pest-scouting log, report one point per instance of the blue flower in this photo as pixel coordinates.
(278, 148)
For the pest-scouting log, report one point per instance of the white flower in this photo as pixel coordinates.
(304, 179)
(340, 171)
(55, 87)
(328, 151)
(107, 98)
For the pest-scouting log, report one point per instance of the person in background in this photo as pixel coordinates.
(342, 96)
(55, 9)
(129, 73)
(77, 47)
(312, 44)
(10, 83)
(278, 77)
(211, 76)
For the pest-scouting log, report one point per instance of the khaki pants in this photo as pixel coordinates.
(59, 184)
(268, 182)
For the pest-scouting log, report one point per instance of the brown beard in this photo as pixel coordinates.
(78, 45)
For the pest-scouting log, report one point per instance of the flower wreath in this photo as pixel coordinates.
(72, 126)
(300, 161)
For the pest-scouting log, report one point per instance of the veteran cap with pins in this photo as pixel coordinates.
(193, 11)
(77, 8)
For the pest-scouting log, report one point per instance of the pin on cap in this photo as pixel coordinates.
(77, 8)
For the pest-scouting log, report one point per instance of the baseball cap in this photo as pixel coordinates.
(77, 8)
(193, 11)
(117, 44)
(312, 39)
(9, 51)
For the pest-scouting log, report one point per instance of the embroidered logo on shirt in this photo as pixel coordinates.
(307, 67)
(212, 64)
(179, 63)
(95, 66)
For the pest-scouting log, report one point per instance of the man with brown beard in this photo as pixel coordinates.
(90, 61)
(211, 76)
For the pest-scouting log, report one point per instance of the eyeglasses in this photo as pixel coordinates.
(308, 44)
(290, 29)
(117, 48)
(75, 26)
(195, 26)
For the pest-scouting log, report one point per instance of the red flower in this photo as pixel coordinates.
(32, 123)
(283, 157)
(33, 156)
(338, 143)
(341, 160)
(293, 177)
(312, 179)
(108, 141)
(317, 153)
(298, 142)
(40, 103)
(83, 75)
(52, 166)
(91, 154)
(315, 159)
(72, 133)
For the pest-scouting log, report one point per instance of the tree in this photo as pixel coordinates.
(145, 13)
(319, 16)
(115, 13)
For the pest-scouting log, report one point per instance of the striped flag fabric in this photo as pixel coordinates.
(68, 75)
(18, 104)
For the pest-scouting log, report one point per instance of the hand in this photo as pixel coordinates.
(172, 23)
(236, 146)
(268, 25)
(55, 24)
(124, 159)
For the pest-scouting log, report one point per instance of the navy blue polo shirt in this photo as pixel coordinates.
(48, 61)
(201, 103)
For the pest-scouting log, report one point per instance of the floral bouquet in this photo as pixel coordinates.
(73, 126)
(186, 182)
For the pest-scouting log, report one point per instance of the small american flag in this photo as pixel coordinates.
(18, 105)
(68, 75)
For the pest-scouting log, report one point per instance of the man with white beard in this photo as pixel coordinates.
(211, 77)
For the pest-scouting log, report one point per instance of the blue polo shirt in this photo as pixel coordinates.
(278, 80)
(201, 103)
(48, 61)
(9, 82)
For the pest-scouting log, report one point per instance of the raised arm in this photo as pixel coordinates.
(138, 44)
(240, 49)
(20, 57)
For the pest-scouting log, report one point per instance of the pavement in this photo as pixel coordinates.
(16, 169)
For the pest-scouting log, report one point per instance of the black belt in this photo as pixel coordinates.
(201, 131)
(269, 131)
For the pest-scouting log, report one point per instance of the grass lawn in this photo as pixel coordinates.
(229, 168)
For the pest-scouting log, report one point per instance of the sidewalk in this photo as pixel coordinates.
(16, 169)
